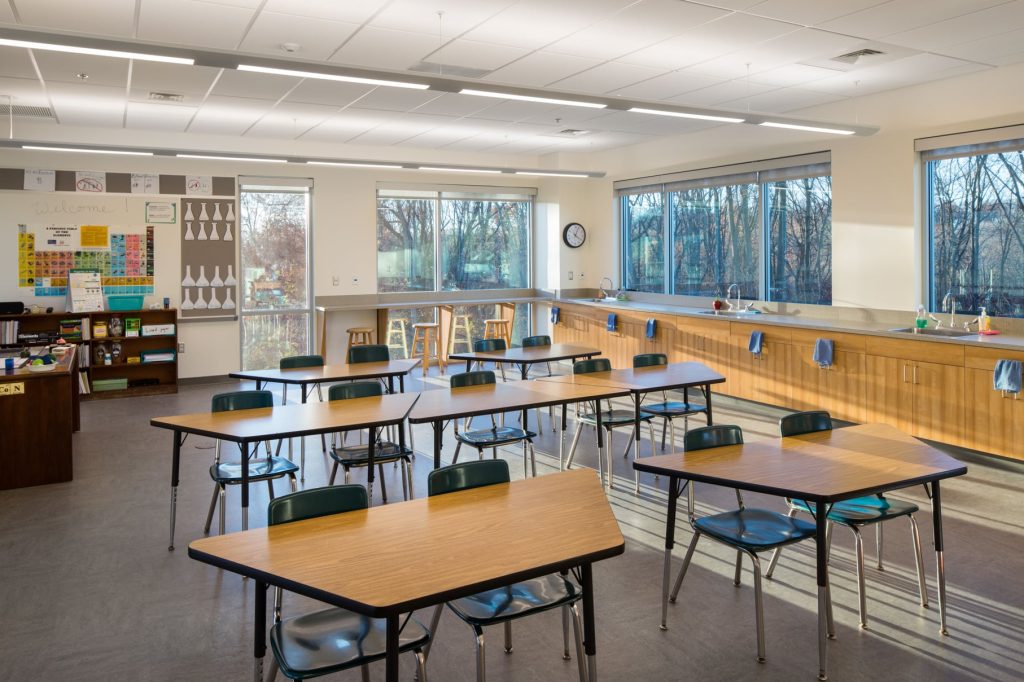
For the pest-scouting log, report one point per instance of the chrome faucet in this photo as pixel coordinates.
(949, 304)
(600, 286)
(738, 296)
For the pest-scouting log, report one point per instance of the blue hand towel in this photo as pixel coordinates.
(652, 326)
(1007, 376)
(555, 312)
(613, 321)
(756, 344)
(823, 352)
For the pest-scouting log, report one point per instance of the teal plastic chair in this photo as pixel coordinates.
(534, 342)
(298, 362)
(503, 605)
(854, 514)
(496, 436)
(487, 345)
(748, 531)
(334, 639)
(230, 473)
(667, 409)
(610, 419)
(350, 457)
(370, 353)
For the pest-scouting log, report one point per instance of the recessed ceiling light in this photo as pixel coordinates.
(531, 98)
(54, 47)
(291, 48)
(82, 76)
(86, 151)
(683, 114)
(229, 158)
(460, 170)
(813, 129)
(353, 164)
(331, 77)
(554, 174)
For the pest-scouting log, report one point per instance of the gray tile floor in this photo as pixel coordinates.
(89, 590)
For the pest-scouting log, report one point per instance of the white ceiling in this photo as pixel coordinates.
(771, 56)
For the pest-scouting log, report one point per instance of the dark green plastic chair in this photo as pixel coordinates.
(496, 436)
(298, 362)
(748, 531)
(505, 604)
(352, 456)
(486, 346)
(334, 639)
(610, 419)
(534, 342)
(230, 473)
(854, 514)
(371, 353)
(667, 409)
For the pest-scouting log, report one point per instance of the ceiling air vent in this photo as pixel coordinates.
(449, 70)
(574, 132)
(856, 56)
(166, 97)
(19, 110)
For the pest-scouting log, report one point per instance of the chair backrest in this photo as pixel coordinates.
(805, 422)
(296, 361)
(484, 345)
(309, 504)
(650, 359)
(241, 400)
(478, 378)
(373, 353)
(466, 475)
(592, 365)
(712, 437)
(356, 389)
(539, 340)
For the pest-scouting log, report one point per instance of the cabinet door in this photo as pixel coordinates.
(887, 391)
(993, 423)
(938, 402)
(838, 389)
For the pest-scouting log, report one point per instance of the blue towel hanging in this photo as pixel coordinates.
(652, 326)
(756, 344)
(823, 350)
(1007, 376)
(613, 321)
(555, 312)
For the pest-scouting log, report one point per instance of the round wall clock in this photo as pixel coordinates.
(574, 235)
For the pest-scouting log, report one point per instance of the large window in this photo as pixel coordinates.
(976, 227)
(765, 227)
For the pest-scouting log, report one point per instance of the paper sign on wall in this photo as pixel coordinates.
(145, 183)
(94, 237)
(199, 185)
(40, 180)
(90, 181)
(161, 212)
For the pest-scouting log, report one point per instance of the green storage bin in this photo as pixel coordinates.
(125, 302)
(100, 385)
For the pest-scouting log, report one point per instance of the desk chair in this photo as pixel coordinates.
(334, 639)
(610, 419)
(230, 473)
(854, 514)
(748, 531)
(503, 605)
(296, 362)
(494, 437)
(533, 342)
(487, 346)
(666, 409)
(352, 456)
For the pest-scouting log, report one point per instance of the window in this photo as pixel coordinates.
(975, 208)
(405, 244)
(765, 227)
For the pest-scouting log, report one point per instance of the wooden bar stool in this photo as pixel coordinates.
(427, 333)
(359, 336)
(499, 329)
(461, 333)
(396, 327)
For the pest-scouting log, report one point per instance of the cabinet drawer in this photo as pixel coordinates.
(741, 332)
(692, 325)
(842, 341)
(925, 351)
(985, 358)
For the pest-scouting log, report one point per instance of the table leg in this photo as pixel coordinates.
(706, 388)
(561, 438)
(600, 442)
(674, 490)
(637, 397)
(821, 516)
(259, 633)
(245, 485)
(438, 427)
(589, 634)
(940, 563)
(302, 442)
(391, 384)
(524, 370)
(175, 467)
(371, 446)
(391, 652)
(401, 383)
(259, 385)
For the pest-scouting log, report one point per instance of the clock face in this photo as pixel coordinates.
(574, 235)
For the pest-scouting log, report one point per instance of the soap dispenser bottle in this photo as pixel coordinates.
(984, 321)
(922, 317)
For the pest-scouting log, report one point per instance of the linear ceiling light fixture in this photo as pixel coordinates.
(210, 157)
(331, 77)
(97, 52)
(354, 164)
(553, 174)
(531, 98)
(86, 151)
(812, 129)
(683, 114)
(460, 170)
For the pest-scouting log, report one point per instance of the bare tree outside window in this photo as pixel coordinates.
(405, 244)
(800, 224)
(484, 244)
(644, 241)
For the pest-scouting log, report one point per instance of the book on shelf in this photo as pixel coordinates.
(9, 332)
(132, 325)
(71, 329)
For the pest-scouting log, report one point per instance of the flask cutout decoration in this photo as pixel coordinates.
(200, 301)
(188, 281)
(228, 237)
(213, 232)
(228, 303)
(202, 232)
(216, 212)
(216, 281)
(189, 235)
(203, 215)
(231, 211)
(202, 281)
(187, 303)
(214, 303)
(188, 212)
(230, 280)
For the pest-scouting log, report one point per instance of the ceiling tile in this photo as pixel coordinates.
(347, 124)
(721, 92)
(667, 85)
(290, 120)
(1006, 48)
(318, 38)
(540, 68)
(475, 54)
(452, 104)
(793, 74)
(168, 117)
(974, 26)
(902, 15)
(809, 12)
(395, 99)
(518, 25)
(25, 91)
(6, 13)
(784, 99)
(15, 62)
(228, 115)
(190, 22)
(63, 67)
(513, 110)
(335, 93)
(383, 48)
(355, 12)
(173, 78)
(439, 137)
(255, 85)
(417, 15)
(88, 105)
(624, 122)
(101, 17)
(606, 78)
(919, 68)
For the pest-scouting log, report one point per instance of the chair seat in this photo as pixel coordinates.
(515, 601)
(332, 640)
(359, 455)
(502, 435)
(259, 470)
(613, 418)
(672, 408)
(862, 510)
(755, 530)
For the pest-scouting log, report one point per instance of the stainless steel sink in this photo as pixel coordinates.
(947, 333)
(731, 313)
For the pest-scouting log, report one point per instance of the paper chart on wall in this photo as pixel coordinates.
(90, 181)
(40, 180)
(209, 289)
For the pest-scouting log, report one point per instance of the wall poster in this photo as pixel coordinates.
(209, 288)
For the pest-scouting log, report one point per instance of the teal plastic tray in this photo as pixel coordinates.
(130, 302)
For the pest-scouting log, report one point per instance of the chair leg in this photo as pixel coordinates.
(577, 629)
(294, 482)
(405, 482)
(878, 544)
(348, 475)
(481, 660)
(862, 598)
(458, 446)
(223, 495)
(575, 441)
(739, 568)
(334, 473)
(364, 671)
(922, 585)
(508, 636)
(682, 569)
(533, 460)
(272, 670)
(435, 620)
(664, 429)
(408, 467)
(213, 505)
(759, 606)
(421, 665)
(270, 487)
(629, 443)
(778, 550)
(383, 489)
(566, 615)
(526, 463)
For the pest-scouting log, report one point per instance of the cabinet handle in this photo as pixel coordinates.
(915, 374)
(904, 373)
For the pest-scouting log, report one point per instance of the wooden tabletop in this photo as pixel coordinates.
(491, 398)
(285, 421)
(531, 355)
(644, 379)
(312, 375)
(402, 556)
(828, 465)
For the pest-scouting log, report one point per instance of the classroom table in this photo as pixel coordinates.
(310, 376)
(821, 468)
(527, 357)
(246, 427)
(387, 561)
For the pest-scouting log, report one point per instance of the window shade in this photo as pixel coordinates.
(809, 165)
(425, 191)
(972, 150)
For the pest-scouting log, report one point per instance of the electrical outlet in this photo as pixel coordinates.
(355, 281)
(570, 275)
(181, 348)
(335, 281)
(581, 275)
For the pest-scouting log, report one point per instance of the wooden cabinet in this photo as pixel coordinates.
(764, 378)
(840, 388)
(588, 326)
(992, 422)
(705, 341)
